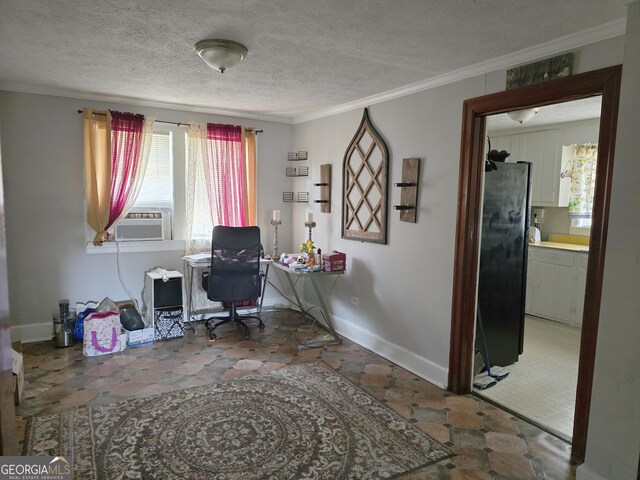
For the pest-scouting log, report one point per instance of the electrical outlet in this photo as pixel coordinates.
(355, 301)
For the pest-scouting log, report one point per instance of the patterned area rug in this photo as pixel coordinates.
(301, 422)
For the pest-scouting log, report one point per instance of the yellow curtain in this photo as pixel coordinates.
(249, 144)
(97, 162)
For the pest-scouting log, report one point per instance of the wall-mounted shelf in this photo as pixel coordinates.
(297, 156)
(325, 188)
(301, 171)
(409, 190)
(295, 197)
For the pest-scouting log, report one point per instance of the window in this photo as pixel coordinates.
(581, 222)
(157, 187)
(161, 189)
(221, 176)
(580, 226)
(202, 225)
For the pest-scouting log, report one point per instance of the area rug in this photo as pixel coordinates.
(301, 422)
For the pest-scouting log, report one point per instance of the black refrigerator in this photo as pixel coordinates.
(502, 278)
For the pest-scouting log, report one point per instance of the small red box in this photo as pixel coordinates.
(334, 262)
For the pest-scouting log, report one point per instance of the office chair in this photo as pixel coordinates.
(235, 275)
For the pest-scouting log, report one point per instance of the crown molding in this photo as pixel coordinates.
(56, 92)
(562, 44)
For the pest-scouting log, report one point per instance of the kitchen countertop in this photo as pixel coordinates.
(572, 247)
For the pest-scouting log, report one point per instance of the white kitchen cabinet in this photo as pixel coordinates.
(544, 289)
(542, 150)
(556, 282)
(531, 265)
(581, 285)
(564, 301)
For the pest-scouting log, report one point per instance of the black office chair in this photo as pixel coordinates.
(235, 273)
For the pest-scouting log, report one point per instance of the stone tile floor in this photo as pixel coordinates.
(488, 442)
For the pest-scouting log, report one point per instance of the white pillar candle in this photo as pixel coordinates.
(309, 217)
(276, 215)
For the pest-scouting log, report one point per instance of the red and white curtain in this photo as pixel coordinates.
(216, 182)
(116, 153)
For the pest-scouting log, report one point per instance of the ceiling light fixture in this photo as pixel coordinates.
(522, 116)
(221, 54)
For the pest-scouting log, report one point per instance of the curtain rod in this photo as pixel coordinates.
(163, 121)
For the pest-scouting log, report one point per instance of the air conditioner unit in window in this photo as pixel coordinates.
(139, 226)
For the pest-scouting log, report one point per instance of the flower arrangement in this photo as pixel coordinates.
(307, 247)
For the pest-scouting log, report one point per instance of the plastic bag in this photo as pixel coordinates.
(78, 332)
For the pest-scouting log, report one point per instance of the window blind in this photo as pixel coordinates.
(157, 186)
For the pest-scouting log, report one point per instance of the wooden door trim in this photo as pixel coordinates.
(605, 82)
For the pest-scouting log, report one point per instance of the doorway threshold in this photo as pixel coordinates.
(535, 423)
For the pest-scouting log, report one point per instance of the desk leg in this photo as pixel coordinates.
(189, 269)
(324, 310)
(264, 287)
(295, 292)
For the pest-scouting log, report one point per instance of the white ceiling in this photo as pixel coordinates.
(304, 56)
(586, 108)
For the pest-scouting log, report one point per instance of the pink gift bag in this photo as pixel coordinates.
(102, 334)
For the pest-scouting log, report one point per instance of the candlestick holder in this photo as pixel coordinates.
(276, 245)
(310, 226)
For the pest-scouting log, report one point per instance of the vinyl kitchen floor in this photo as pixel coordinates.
(542, 384)
(488, 442)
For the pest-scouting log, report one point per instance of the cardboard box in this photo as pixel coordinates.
(18, 373)
(136, 338)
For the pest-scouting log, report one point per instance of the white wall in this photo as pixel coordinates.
(613, 442)
(42, 146)
(405, 287)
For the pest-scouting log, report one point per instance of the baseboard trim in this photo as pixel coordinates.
(618, 469)
(583, 472)
(416, 364)
(38, 332)
(33, 332)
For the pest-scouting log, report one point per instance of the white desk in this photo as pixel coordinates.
(194, 268)
(313, 277)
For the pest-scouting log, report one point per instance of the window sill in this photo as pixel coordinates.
(138, 247)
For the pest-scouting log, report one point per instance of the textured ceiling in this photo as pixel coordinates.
(304, 55)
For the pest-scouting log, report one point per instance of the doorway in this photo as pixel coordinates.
(8, 442)
(541, 355)
(605, 82)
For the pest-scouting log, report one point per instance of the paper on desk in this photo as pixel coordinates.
(198, 258)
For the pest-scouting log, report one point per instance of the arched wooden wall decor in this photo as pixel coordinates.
(364, 185)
